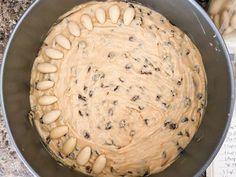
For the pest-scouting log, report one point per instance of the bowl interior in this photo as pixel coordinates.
(187, 15)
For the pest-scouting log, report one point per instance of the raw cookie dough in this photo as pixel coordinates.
(132, 94)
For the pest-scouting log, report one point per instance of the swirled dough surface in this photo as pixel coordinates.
(134, 93)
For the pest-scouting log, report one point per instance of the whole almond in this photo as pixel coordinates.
(63, 41)
(129, 15)
(47, 100)
(99, 164)
(84, 156)
(101, 15)
(69, 146)
(74, 28)
(46, 68)
(59, 132)
(44, 85)
(51, 116)
(114, 13)
(54, 54)
(87, 22)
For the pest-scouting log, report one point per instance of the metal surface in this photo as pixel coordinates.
(187, 15)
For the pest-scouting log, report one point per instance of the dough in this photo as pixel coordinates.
(133, 93)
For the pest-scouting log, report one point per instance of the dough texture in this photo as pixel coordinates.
(134, 93)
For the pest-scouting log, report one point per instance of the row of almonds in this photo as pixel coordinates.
(47, 68)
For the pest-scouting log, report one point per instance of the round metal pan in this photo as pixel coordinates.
(23, 47)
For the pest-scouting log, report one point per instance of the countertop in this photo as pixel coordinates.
(10, 164)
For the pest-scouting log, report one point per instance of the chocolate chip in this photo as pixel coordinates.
(86, 135)
(180, 134)
(147, 173)
(158, 97)
(88, 169)
(180, 149)
(167, 43)
(83, 98)
(146, 72)
(90, 93)
(166, 105)
(187, 133)
(111, 55)
(164, 155)
(61, 155)
(170, 125)
(162, 20)
(179, 82)
(121, 80)
(108, 126)
(110, 112)
(116, 88)
(85, 88)
(115, 102)
(185, 119)
(48, 139)
(199, 96)
(71, 156)
(187, 102)
(112, 169)
(80, 113)
(109, 142)
(187, 52)
(128, 66)
(104, 86)
(131, 38)
(123, 124)
(131, 5)
(6, 143)
(199, 110)
(146, 121)
(97, 153)
(89, 69)
(197, 68)
(132, 133)
(135, 98)
(149, 13)
(153, 27)
(41, 120)
(173, 93)
(140, 108)
(173, 126)
(31, 114)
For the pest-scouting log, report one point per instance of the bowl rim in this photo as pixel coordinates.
(229, 65)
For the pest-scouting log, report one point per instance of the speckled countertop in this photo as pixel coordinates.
(10, 164)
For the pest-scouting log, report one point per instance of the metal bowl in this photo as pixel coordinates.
(187, 15)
